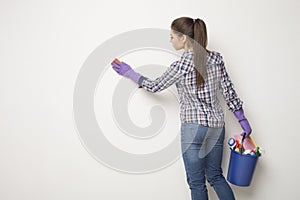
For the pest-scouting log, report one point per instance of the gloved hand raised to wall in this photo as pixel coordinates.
(124, 69)
(239, 114)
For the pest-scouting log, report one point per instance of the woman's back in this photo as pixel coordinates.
(197, 106)
(201, 106)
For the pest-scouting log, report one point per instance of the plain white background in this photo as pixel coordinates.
(43, 46)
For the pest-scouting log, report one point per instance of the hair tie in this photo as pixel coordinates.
(194, 21)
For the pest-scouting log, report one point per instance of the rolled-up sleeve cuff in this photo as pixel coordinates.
(140, 81)
(235, 104)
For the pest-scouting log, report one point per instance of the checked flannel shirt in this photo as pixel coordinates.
(197, 106)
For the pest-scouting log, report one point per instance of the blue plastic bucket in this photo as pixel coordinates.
(241, 168)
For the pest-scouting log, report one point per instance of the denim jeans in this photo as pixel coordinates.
(202, 150)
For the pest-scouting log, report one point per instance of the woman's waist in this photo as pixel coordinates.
(202, 107)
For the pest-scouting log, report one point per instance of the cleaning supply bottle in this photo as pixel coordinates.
(232, 143)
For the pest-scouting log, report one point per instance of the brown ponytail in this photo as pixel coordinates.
(196, 32)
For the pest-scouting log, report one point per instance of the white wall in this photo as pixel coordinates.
(45, 43)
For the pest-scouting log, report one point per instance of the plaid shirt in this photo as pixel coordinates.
(200, 106)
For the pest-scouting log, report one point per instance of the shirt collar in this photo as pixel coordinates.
(212, 58)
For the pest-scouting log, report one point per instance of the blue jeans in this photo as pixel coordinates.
(202, 150)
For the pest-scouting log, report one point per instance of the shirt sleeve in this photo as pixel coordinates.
(227, 89)
(173, 74)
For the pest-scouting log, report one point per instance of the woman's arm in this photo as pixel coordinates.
(233, 101)
(227, 89)
(173, 74)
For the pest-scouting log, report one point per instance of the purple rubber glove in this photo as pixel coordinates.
(124, 69)
(239, 114)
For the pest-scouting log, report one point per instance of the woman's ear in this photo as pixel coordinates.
(183, 38)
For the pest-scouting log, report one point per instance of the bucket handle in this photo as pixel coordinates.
(252, 141)
(242, 149)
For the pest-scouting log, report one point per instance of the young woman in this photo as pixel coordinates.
(198, 75)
